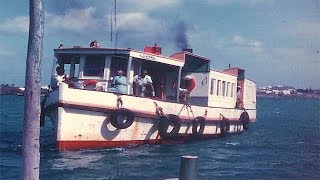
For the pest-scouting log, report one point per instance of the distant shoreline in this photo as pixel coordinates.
(303, 95)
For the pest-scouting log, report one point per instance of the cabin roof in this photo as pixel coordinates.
(89, 50)
(183, 55)
(130, 52)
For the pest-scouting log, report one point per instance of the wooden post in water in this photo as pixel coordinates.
(189, 168)
(31, 125)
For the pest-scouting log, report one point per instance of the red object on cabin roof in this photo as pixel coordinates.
(154, 49)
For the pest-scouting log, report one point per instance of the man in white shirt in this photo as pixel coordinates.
(60, 77)
(143, 85)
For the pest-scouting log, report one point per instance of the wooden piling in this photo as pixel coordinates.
(31, 126)
(188, 168)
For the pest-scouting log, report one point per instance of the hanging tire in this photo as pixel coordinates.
(198, 125)
(42, 117)
(224, 126)
(122, 118)
(245, 120)
(165, 123)
(42, 111)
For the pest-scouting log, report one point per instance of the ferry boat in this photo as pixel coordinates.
(192, 102)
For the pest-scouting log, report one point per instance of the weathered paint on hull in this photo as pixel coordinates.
(82, 120)
(78, 145)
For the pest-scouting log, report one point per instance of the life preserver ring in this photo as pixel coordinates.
(165, 123)
(244, 119)
(122, 118)
(224, 126)
(198, 125)
(89, 82)
(187, 82)
(190, 83)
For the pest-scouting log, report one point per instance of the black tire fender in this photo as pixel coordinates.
(42, 118)
(198, 125)
(224, 126)
(127, 118)
(165, 122)
(244, 119)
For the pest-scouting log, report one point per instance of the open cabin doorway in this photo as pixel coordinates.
(161, 75)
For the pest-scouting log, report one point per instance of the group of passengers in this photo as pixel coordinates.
(142, 84)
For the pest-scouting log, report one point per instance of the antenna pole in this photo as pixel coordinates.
(111, 26)
(115, 21)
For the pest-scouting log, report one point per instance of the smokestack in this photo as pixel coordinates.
(188, 50)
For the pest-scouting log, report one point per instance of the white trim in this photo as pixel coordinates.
(156, 58)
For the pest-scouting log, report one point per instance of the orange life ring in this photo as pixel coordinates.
(191, 84)
(188, 82)
(90, 82)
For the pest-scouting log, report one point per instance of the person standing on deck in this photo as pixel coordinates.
(60, 77)
(143, 85)
(239, 103)
(119, 83)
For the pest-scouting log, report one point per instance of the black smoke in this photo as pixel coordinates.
(181, 39)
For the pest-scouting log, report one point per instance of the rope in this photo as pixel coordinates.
(159, 110)
(187, 106)
(119, 103)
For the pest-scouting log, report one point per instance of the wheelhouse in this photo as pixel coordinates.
(101, 64)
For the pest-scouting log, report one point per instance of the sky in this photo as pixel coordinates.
(277, 42)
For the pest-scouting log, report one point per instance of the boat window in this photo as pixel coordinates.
(232, 89)
(118, 63)
(195, 64)
(70, 65)
(223, 88)
(67, 68)
(76, 71)
(227, 89)
(218, 87)
(94, 66)
(213, 81)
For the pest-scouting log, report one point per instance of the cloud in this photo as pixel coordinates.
(136, 22)
(15, 25)
(252, 45)
(306, 29)
(105, 7)
(147, 5)
(77, 20)
(230, 2)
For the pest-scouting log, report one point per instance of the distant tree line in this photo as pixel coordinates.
(6, 89)
(309, 91)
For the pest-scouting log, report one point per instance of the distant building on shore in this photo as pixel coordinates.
(278, 90)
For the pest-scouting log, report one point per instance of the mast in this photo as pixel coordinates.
(115, 22)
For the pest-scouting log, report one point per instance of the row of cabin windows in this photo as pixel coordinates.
(94, 66)
(222, 88)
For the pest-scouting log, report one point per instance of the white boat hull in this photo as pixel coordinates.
(81, 119)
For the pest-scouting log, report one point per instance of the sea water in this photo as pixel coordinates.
(284, 143)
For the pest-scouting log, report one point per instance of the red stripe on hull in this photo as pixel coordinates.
(77, 145)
